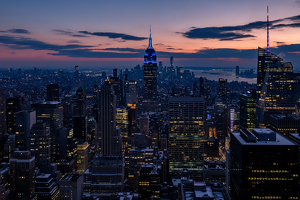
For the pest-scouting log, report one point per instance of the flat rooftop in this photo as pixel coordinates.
(71, 177)
(280, 140)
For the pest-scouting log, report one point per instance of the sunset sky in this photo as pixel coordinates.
(93, 33)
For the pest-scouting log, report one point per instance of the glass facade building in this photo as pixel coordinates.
(186, 136)
(274, 87)
(263, 165)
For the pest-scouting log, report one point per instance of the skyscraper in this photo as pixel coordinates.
(24, 121)
(2, 112)
(150, 78)
(40, 145)
(2, 122)
(274, 87)
(13, 105)
(80, 102)
(264, 165)
(247, 110)
(186, 136)
(108, 140)
(223, 90)
(275, 93)
(117, 84)
(51, 113)
(22, 175)
(52, 92)
(201, 86)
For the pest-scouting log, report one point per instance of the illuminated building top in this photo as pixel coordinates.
(150, 55)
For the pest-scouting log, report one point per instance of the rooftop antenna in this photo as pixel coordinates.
(268, 43)
(150, 39)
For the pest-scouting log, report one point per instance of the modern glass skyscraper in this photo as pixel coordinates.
(150, 78)
(263, 165)
(186, 136)
(274, 87)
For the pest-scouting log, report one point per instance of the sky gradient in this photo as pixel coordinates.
(61, 34)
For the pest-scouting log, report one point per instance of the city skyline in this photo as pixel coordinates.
(115, 34)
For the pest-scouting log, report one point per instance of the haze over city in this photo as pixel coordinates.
(61, 34)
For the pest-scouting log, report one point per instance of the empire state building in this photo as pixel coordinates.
(150, 78)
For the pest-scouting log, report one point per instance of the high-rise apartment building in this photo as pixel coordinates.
(150, 78)
(52, 92)
(186, 136)
(264, 165)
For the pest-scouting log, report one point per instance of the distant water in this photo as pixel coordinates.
(215, 75)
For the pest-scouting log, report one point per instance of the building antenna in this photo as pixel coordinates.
(268, 40)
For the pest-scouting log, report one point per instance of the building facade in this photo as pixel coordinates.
(186, 136)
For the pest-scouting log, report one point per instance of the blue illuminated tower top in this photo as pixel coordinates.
(150, 55)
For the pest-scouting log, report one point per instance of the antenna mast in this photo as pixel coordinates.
(268, 40)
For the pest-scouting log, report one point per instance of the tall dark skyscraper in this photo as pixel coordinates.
(2, 112)
(23, 123)
(108, 138)
(117, 84)
(237, 71)
(51, 113)
(2, 121)
(264, 165)
(52, 92)
(150, 78)
(80, 102)
(201, 86)
(13, 105)
(22, 166)
(223, 89)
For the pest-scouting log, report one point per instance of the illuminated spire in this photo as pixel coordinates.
(150, 40)
(268, 43)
